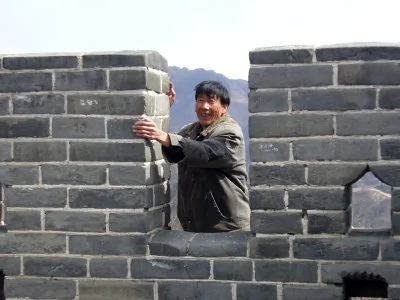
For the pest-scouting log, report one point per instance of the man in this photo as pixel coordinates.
(212, 176)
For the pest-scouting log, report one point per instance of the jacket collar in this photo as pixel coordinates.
(205, 132)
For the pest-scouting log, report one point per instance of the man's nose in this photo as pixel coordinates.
(206, 105)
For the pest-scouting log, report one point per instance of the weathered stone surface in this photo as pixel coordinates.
(267, 199)
(18, 175)
(237, 270)
(75, 127)
(135, 80)
(10, 265)
(376, 123)
(40, 151)
(389, 98)
(276, 222)
(253, 291)
(202, 290)
(388, 173)
(25, 82)
(38, 104)
(23, 220)
(40, 62)
(261, 151)
(24, 127)
(35, 243)
(142, 174)
(5, 151)
(332, 198)
(390, 149)
(285, 271)
(36, 197)
(281, 55)
(264, 100)
(55, 266)
(108, 267)
(358, 51)
(327, 222)
(4, 105)
(288, 174)
(78, 221)
(269, 247)
(369, 73)
(308, 292)
(334, 173)
(390, 250)
(74, 174)
(170, 243)
(81, 80)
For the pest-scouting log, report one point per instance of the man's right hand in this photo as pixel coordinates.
(171, 94)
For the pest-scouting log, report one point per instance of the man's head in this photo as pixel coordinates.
(212, 102)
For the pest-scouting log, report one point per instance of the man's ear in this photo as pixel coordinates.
(225, 107)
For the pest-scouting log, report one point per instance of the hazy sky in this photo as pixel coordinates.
(210, 34)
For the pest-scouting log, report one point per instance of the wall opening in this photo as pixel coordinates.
(365, 286)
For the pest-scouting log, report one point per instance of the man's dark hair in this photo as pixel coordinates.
(213, 89)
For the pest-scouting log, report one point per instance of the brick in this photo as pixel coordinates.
(151, 59)
(74, 174)
(281, 55)
(334, 149)
(40, 62)
(285, 271)
(377, 123)
(55, 266)
(389, 98)
(20, 175)
(267, 199)
(334, 173)
(108, 268)
(308, 292)
(396, 223)
(135, 151)
(336, 248)
(236, 270)
(93, 80)
(290, 76)
(10, 265)
(170, 243)
(75, 127)
(38, 104)
(334, 272)
(288, 174)
(390, 249)
(34, 243)
(194, 290)
(263, 100)
(35, 197)
(170, 269)
(390, 149)
(107, 244)
(367, 73)
(4, 105)
(5, 151)
(327, 222)
(366, 51)
(24, 127)
(23, 220)
(394, 293)
(266, 151)
(269, 247)
(35, 288)
(395, 199)
(40, 151)
(388, 173)
(332, 198)
(135, 80)
(252, 291)
(136, 222)
(143, 174)
(219, 244)
(122, 128)
(269, 126)
(115, 289)
(107, 198)
(336, 99)
(75, 221)
(25, 82)
(276, 222)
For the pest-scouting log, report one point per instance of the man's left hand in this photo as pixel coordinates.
(146, 128)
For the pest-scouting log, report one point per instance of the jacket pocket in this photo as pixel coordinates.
(213, 212)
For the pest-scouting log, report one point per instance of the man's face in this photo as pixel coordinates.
(209, 109)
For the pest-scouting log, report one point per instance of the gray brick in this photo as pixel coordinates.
(287, 174)
(81, 80)
(24, 127)
(333, 272)
(10, 265)
(25, 82)
(290, 76)
(5, 151)
(267, 199)
(390, 149)
(75, 221)
(135, 80)
(263, 100)
(396, 223)
(366, 73)
(252, 291)
(35, 197)
(366, 51)
(106, 198)
(194, 290)
(335, 149)
(35, 288)
(135, 151)
(285, 271)
(38, 104)
(151, 59)
(40, 62)
(35, 243)
(73, 174)
(388, 173)
(136, 222)
(266, 151)
(20, 175)
(376, 123)
(269, 247)
(337, 99)
(389, 98)
(261, 126)
(336, 248)
(55, 266)
(170, 243)
(170, 269)
(332, 198)
(236, 270)
(136, 175)
(334, 173)
(308, 292)
(107, 244)
(327, 222)
(4, 105)
(390, 249)
(40, 151)
(276, 222)
(395, 199)
(281, 55)
(23, 220)
(122, 128)
(108, 268)
(78, 127)
(394, 293)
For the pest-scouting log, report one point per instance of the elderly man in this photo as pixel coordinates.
(212, 176)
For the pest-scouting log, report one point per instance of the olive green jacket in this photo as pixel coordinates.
(212, 176)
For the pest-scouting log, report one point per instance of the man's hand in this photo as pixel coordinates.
(171, 94)
(146, 128)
